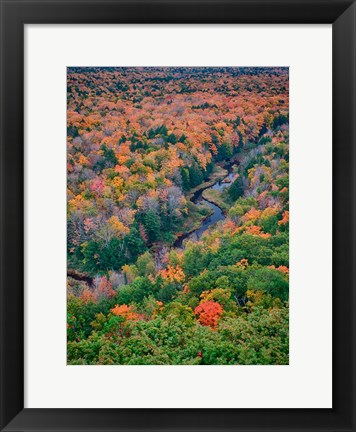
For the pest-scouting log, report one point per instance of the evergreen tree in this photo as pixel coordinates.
(195, 175)
(134, 243)
(236, 190)
(185, 179)
(152, 224)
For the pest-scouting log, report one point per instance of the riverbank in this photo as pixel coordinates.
(197, 215)
(80, 277)
(219, 198)
(218, 174)
(206, 197)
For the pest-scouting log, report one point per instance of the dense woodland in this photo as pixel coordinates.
(142, 143)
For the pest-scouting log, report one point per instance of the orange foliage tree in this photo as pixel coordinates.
(209, 313)
(125, 312)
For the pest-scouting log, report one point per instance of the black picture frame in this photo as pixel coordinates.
(14, 15)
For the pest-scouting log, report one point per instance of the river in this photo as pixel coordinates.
(197, 198)
(217, 214)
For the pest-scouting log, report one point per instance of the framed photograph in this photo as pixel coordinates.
(177, 215)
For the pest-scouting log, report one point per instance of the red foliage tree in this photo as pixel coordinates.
(209, 313)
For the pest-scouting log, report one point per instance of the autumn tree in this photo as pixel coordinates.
(208, 313)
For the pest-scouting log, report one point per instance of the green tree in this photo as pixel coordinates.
(184, 172)
(145, 264)
(134, 244)
(224, 152)
(152, 225)
(195, 175)
(270, 281)
(236, 190)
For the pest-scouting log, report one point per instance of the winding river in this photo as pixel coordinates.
(217, 214)
(197, 198)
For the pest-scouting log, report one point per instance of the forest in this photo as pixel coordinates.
(177, 216)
